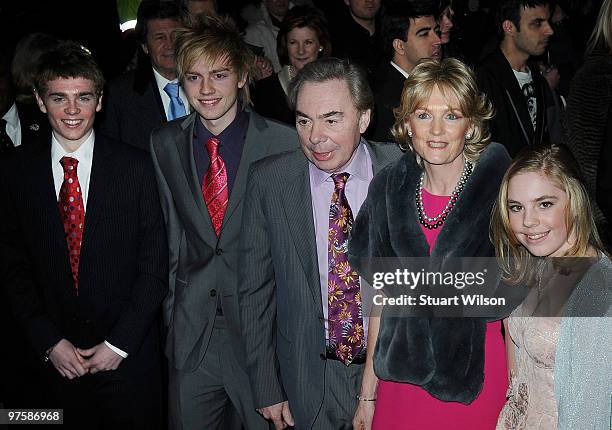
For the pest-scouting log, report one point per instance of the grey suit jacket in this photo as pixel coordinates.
(203, 268)
(279, 290)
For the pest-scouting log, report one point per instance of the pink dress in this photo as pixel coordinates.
(405, 406)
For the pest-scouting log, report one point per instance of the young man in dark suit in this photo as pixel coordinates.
(84, 256)
(201, 163)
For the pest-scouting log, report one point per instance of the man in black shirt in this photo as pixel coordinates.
(356, 37)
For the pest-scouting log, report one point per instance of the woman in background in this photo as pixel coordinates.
(303, 37)
(560, 372)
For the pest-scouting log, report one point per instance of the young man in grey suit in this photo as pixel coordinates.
(201, 163)
(300, 301)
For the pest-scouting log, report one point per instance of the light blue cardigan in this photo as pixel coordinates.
(583, 361)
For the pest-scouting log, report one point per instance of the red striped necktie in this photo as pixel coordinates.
(214, 188)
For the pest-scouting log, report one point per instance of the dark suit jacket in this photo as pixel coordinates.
(16, 370)
(123, 261)
(35, 128)
(387, 96)
(270, 100)
(279, 288)
(133, 108)
(203, 267)
(511, 126)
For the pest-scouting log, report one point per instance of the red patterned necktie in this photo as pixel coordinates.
(72, 211)
(214, 188)
(345, 329)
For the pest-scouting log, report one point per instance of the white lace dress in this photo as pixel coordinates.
(531, 400)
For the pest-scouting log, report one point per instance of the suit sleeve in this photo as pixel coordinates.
(16, 276)
(174, 234)
(151, 284)
(257, 299)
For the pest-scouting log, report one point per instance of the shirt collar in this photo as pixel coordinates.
(357, 167)
(399, 69)
(161, 81)
(238, 126)
(11, 117)
(84, 153)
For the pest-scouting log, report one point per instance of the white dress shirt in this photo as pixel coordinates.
(399, 69)
(13, 125)
(84, 154)
(165, 98)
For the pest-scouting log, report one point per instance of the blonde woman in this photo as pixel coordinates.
(559, 360)
(433, 373)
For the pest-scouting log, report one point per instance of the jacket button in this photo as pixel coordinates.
(322, 356)
(213, 293)
(218, 251)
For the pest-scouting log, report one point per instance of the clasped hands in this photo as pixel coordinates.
(279, 414)
(72, 362)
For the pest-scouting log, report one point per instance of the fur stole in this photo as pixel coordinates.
(443, 355)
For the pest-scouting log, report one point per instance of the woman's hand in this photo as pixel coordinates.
(364, 415)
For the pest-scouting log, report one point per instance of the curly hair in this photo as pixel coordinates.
(450, 76)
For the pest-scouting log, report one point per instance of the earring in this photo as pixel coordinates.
(468, 136)
(409, 133)
(320, 49)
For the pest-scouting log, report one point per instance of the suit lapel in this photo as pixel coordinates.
(538, 84)
(99, 187)
(516, 97)
(184, 146)
(254, 149)
(297, 204)
(41, 169)
(144, 81)
(378, 159)
(43, 189)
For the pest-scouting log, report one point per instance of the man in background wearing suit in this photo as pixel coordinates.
(84, 255)
(149, 96)
(409, 34)
(300, 301)
(201, 163)
(19, 124)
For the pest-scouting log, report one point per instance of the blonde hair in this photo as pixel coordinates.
(214, 38)
(601, 37)
(450, 76)
(557, 164)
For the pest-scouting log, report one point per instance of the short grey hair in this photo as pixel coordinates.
(329, 69)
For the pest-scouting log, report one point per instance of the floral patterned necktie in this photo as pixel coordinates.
(345, 329)
(72, 211)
